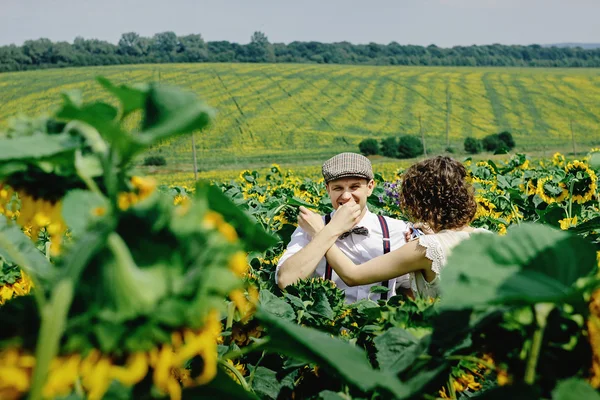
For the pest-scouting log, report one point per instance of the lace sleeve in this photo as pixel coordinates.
(434, 252)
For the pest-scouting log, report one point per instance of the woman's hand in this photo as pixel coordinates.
(346, 217)
(312, 223)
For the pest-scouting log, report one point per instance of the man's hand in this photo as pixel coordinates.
(346, 217)
(312, 223)
(423, 227)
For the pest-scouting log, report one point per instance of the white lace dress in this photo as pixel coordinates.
(437, 248)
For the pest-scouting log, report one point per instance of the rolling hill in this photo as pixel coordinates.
(294, 113)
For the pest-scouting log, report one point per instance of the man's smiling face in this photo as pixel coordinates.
(344, 190)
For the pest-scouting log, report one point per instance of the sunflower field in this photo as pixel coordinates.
(114, 287)
(294, 112)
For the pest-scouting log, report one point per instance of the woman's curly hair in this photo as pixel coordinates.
(435, 191)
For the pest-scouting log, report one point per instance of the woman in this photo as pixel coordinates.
(434, 192)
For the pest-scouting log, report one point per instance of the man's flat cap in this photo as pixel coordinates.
(345, 165)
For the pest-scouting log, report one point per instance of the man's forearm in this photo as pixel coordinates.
(302, 264)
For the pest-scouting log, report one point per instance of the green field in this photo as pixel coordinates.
(295, 114)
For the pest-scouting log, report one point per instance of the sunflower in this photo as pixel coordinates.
(7, 203)
(483, 171)
(514, 214)
(214, 220)
(37, 214)
(276, 169)
(280, 220)
(239, 263)
(518, 162)
(142, 188)
(531, 187)
(20, 287)
(550, 191)
(96, 371)
(593, 325)
(486, 208)
(558, 160)
(501, 229)
(246, 176)
(567, 223)
(179, 199)
(466, 381)
(593, 151)
(585, 182)
(241, 368)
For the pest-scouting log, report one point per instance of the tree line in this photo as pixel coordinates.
(167, 47)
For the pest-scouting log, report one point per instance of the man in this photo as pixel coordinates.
(348, 178)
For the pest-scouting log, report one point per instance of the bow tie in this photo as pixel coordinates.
(359, 230)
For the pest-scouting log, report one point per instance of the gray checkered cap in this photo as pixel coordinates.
(345, 165)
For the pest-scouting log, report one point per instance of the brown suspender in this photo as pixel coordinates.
(386, 249)
(328, 271)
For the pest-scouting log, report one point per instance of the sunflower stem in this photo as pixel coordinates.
(54, 317)
(110, 178)
(89, 182)
(571, 200)
(451, 390)
(473, 359)
(230, 314)
(257, 345)
(541, 312)
(79, 388)
(47, 249)
(462, 358)
(237, 374)
(251, 377)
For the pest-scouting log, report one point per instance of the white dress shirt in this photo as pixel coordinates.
(359, 249)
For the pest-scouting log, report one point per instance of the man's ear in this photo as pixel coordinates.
(370, 186)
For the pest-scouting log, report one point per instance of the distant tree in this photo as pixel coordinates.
(259, 38)
(508, 140)
(502, 149)
(192, 48)
(165, 45)
(38, 50)
(155, 161)
(389, 147)
(129, 44)
(473, 146)
(491, 142)
(221, 51)
(61, 53)
(409, 146)
(145, 45)
(12, 58)
(259, 49)
(368, 147)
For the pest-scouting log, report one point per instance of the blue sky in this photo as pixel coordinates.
(422, 22)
